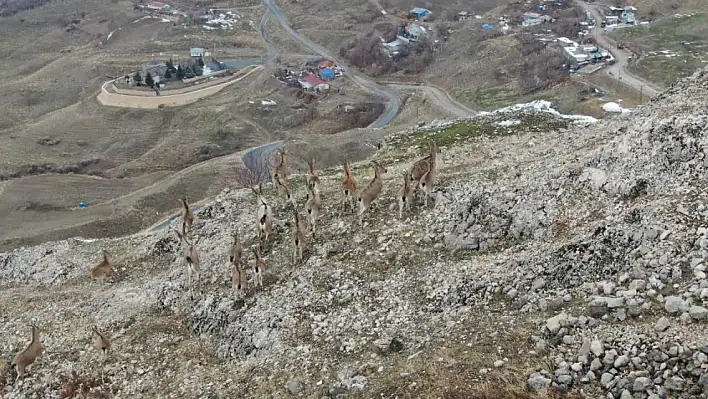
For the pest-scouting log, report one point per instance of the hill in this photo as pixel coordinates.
(558, 254)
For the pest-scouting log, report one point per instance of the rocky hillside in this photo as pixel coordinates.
(559, 256)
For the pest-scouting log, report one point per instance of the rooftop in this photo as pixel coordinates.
(419, 10)
(312, 79)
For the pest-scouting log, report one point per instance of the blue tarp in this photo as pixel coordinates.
(327, 74)
(487, 26)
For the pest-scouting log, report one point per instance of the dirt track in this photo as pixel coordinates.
(108, 98)
(439, 96)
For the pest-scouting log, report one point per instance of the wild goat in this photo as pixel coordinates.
(348, 187)
(298, 237)
(238, 275)
(369, 194)
(313, 205)
(236, 250)
(191, 258)
(187, 215)
(102, 271)
(24, 359)
(313, 180)
(238, 280)
(424, 171)
(405, 194)
(281, 170)
(264, 224)
(101, 342)
(284, 190)
(259, 268)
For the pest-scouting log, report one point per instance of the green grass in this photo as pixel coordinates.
(487, 97)
(664, 58)
(463, 131)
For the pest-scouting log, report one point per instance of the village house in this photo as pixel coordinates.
(157, 70)
(158, 6)
(313, 83)
(533, 19)
(419, 13)
(621, 14)
(463, 16)
(197, 52)
(583, 53)
(414, 32)
(611, 20)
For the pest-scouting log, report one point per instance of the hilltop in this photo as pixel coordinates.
(559, 256)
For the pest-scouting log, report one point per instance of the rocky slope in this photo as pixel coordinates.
(558, 257)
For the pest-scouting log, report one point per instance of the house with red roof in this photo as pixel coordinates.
(312, 83)
(157, 6)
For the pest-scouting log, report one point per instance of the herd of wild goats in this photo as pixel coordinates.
(421, 175)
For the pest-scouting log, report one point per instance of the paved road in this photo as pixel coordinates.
(619, 69)
(439, 97)
(394, 103)
(256, 155)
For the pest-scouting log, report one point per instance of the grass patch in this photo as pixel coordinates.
(486, 126)
(671, 48)
(487, 97)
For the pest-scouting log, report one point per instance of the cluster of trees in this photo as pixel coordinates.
(368, 52)
(11, 7)
(541, 67)
(184, 70)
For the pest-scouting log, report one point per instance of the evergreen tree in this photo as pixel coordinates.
(168, 74)
(138, 78)
(171, 65)
(148, 80)
(201, 62)
(180, 72)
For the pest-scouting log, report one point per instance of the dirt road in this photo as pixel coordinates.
(619, 69)
(439, 96)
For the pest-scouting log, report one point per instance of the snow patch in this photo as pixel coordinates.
(510, 122)
(544, 107)
(614, 108)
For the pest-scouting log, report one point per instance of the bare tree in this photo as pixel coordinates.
(256, 169)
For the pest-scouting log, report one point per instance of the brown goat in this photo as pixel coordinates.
(102, 271)
(187, 215)
(101, 341)
(348, 187)
(369, 194)
(24, 359)
(405, 194)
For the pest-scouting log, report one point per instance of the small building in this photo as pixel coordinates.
(627, 15)
(415, 31)
(157, 70)
(197, 52)
(313, 83)
(327, 74)
(611, 20)
(395, 46)
(325, 64)
(419, 13)
(463, 16)
(158, 6)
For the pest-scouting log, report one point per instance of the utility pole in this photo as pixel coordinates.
(641, 92)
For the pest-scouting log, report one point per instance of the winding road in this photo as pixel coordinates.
(618, 70)
(394, 102)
